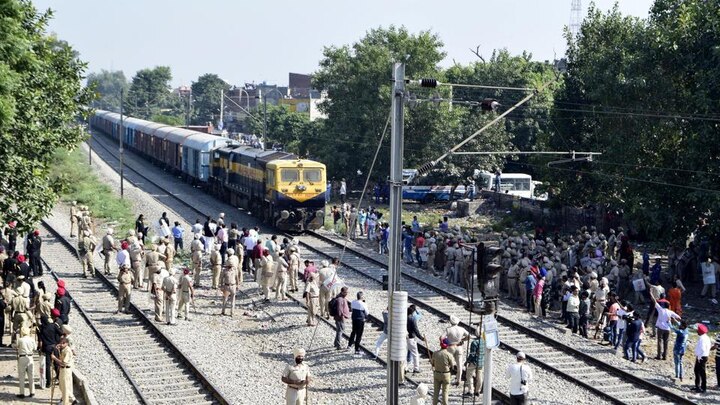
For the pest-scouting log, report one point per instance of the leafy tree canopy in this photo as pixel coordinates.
(107, 86)
(41, 97)
(646, 94)
(206, 97)
(357, 79)
(150, 93)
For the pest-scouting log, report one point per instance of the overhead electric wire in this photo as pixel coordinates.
(623, 177)
(603, 162)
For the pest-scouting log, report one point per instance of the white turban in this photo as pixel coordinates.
(299, 352)
(454, 320)
(231, 251)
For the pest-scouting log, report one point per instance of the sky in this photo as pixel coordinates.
(245, 41)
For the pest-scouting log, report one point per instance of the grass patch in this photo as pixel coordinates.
(81, 184)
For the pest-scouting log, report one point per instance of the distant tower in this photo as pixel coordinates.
(575, 11)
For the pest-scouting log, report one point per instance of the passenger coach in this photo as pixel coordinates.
(279, 187)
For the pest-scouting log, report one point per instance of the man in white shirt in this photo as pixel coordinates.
(520, 375)
(702, 352)
(663, 326)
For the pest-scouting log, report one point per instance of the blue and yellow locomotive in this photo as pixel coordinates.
(279, 187)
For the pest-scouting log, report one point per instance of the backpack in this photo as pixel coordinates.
(333, 307)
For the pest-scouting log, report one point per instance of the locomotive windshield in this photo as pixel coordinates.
(312, 175)
(289, 175)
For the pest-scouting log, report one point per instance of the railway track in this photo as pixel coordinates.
(426, 291)
(158, 372)
(443, 299)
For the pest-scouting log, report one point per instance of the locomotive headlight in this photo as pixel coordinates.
(300, 187)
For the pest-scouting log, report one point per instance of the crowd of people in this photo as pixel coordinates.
(37, 321)
(596, 283)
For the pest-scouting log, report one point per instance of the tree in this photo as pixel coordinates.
(206, 97)
(645, 93)
(358, 106)
(107, 86)
(41, 98)
(528, 122)
(283, 127)
(150, 93)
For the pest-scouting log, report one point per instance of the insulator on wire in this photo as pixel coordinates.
(432, 83)
(425, 169)
(489, 104)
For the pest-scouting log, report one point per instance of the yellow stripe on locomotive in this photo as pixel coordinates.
(299, 180)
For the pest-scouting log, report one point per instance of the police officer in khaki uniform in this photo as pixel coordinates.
(86, 249)
(65, 360)
(215, 265)
(267, 267)
(281, 277)
(152, 262)
(169, 253)
(196, 249)
(456, 336)
(156, 289)
(170, 286)
(229, 285)
(234, 261)
(442, 363)
(297, 378)
(293, 268)
(73, 219)
(108, 247)
(187, 294)
(137, 255)
(312, 298)
(125, 280)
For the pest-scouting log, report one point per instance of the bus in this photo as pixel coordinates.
(519, 184)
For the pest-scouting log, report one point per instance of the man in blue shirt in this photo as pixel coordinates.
(178, 232)
(407, 237)
(474, 362)
(681, 339)
(530, 282)
(655, 272)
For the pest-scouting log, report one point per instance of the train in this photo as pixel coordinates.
(278, 187)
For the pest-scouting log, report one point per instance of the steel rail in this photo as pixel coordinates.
(499, 395)
(660, 391)
(214, 392)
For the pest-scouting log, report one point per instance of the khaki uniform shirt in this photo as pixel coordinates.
(126, 278)
(443, 361)
(185, 283)
(108, 243)
(296, 372)
(215, 258)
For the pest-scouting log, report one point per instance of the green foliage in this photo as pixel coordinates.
(206, 96)
(357, 80)
(81, 184)
(41, 97)
(642, 74)
(174, 120)
(291, 129)
(107, 86)
(528, 122)
(150, 93)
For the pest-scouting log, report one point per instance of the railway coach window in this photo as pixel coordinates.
(312, 175)
(289, 175)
